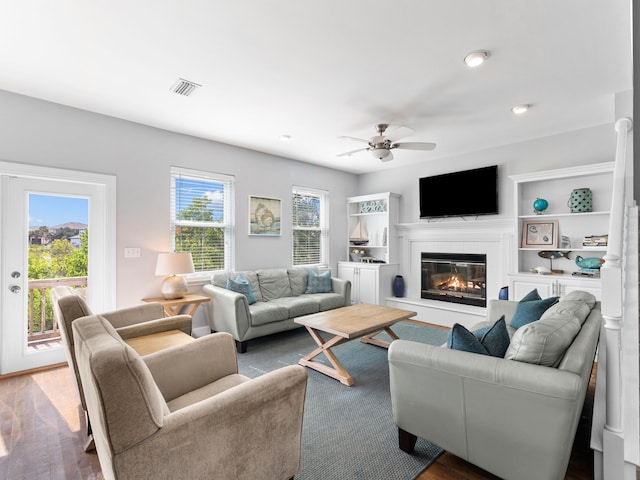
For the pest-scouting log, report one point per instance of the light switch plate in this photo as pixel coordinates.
(132, 252)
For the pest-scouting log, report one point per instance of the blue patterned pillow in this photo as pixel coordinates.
(318, 282)
(241, 285)
(531, 310)
(492, 340)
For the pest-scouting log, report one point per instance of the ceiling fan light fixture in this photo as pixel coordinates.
(520, 109)
(380, 153)
(476, 58)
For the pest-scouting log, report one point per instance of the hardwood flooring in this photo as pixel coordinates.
(42, 432)
(42, 428)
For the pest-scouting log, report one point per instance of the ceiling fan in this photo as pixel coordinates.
(380, 145)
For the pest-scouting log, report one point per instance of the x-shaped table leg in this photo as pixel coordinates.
(338, 371)
(377, 341)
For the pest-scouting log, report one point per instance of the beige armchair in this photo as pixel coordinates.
(185, 412)
(69, 305)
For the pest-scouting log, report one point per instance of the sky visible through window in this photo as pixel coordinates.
(189, 189)
(53, 210)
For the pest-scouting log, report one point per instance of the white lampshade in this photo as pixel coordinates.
(172, 264)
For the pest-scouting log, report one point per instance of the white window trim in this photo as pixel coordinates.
(201, 278)
(324, 223)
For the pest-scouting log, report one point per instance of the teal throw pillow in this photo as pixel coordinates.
(318, 282)
(496, 339)
(464, 340)
(493, 341)
(532, 295)
(241, 285)
(530, 311)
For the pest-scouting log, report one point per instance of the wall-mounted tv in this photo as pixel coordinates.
(456, 194)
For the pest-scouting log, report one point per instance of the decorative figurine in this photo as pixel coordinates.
(540, 205)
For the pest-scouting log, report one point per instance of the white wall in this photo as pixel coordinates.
(42, 133)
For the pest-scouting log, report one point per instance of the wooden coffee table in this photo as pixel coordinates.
(347, 323)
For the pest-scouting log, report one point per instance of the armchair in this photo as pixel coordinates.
(185, 412)
(129, 322)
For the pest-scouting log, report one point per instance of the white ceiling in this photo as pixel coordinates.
(317, 70)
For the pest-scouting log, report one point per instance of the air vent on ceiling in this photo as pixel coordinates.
(184, 87)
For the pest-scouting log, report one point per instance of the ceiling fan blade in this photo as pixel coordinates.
(414, 145)
(394, 133)
(348, 154)
(353, 139)
(388, 158)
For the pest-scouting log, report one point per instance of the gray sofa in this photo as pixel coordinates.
(516, 416)
(280, 297)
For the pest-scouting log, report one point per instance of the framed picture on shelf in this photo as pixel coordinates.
(264, 216)
(540, 234)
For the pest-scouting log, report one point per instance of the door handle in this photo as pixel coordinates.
(15, 288)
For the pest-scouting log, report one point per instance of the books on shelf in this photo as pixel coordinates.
(595, 241)
(587, 272)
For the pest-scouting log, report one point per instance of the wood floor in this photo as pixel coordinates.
(42, 434)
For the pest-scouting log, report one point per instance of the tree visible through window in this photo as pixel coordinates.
(201, 218)
(310, 226)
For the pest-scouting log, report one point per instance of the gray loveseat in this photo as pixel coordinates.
(280, 295)
(516, 416)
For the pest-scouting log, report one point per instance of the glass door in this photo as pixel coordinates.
(48, 229)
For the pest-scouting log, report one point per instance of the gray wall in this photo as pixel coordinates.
(591, 145)
(47, 134)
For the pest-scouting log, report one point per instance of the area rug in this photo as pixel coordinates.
(348, 432)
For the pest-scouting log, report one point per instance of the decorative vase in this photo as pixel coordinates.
(540, 205)
(580, 200)
(398, 286)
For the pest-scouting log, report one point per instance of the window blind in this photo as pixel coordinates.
(202, 218)
(309, 224)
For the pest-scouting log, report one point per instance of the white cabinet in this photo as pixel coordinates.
(372, 227)
(556, 186)
(370, 282)
(550, 285)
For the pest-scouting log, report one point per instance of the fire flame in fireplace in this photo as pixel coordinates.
(454, 282)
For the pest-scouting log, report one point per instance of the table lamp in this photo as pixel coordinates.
(172, 264)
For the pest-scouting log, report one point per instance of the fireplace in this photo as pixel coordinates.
(454, 277)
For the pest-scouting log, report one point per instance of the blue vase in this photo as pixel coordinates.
(398, 286)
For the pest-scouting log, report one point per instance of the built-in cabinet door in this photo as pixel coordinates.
(368, 285)
(348, 272)
(551, 286)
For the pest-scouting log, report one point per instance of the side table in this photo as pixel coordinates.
(174, 306)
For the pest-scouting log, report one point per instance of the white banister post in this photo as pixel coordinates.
(612, 312)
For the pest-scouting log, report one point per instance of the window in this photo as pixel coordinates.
(310, 226)
(202, 218)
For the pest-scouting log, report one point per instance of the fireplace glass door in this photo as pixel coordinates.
(454, 277)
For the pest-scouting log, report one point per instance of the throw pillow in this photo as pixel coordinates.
(496, 340)
(492, 341)
(529, 311)
(241, 285)
(318, 282)
(464, 340)
(532, 295)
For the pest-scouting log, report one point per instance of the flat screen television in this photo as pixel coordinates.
(465, 193)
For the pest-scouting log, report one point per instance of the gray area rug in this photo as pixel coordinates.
(348, 432)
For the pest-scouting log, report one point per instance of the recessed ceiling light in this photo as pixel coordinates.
(285, 138)
(520, 109)
(476, 58)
